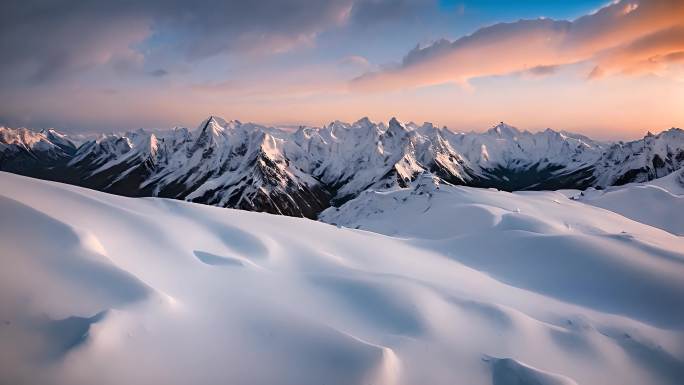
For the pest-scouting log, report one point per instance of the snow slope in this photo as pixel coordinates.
(659, 203)
(477, 287)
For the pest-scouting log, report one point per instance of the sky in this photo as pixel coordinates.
(610, 70)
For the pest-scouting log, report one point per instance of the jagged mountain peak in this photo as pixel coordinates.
(427, 129)
(45, 143)
(362, 130)
(212, 121)
(57, 138)
(246, 165)
(212, 126)
(365, 121)
(395, 128)
(504, 130)
(217, 126)
(672, 132)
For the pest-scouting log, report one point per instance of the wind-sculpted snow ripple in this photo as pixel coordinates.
(438, 285)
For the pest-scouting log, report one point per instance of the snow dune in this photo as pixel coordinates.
(659, 203)
(453, 286)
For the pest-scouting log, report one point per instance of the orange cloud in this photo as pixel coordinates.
(623, 37)
(653, 53)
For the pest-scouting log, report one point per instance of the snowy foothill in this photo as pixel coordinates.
(425, 284)
(659, 203)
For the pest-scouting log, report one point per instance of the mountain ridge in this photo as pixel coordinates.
(302, 172)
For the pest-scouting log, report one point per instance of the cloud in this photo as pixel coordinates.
(291, 84)
(158, 73)
(47, 40)
(622, 37)
(653, 53)
(355, 61)
(44, 40)
(543, 70)
(372, 12)
(596, 72)
(207, 27)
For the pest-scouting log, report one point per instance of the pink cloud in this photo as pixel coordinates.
(623, 37)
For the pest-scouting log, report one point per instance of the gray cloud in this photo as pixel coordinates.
(370, 12)
(543, 70)
(43, 40)
(46, 40)
(208, 27)
(158, 73)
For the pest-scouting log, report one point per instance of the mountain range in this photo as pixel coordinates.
(303, 172)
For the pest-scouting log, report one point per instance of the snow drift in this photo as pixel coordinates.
(461, 286)
(659, 203)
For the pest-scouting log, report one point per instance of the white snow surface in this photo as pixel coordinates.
(455, 285)
(659, 203)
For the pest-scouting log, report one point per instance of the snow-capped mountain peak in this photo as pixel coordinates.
(504, 130)
(246, 165)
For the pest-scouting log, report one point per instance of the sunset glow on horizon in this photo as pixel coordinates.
(610, 70)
